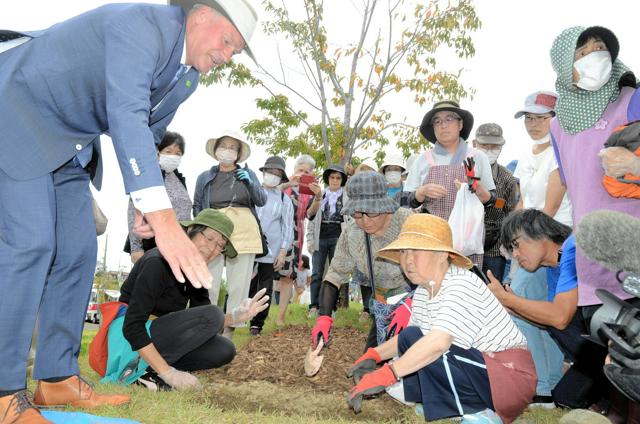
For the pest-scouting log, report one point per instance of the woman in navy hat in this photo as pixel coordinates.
(435, 178)
(276, 219)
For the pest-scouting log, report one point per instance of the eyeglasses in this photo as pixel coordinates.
(515, 244)
(219, 244)
(360, 215)
(438, 122)
(529, 119)
(490, 147)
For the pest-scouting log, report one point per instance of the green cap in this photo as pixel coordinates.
(216, 221)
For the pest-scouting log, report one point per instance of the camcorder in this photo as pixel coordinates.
(616, 324)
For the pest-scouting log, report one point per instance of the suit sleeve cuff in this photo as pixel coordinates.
(151, 199)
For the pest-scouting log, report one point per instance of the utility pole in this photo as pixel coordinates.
(104, 256)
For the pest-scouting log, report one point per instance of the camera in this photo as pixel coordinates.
(616, 324)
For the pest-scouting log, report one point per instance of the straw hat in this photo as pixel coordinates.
(424, 232)
(244, 152)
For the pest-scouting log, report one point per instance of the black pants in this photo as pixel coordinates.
(263, 279)
(584, 383)
(366, 297)
(189, 340)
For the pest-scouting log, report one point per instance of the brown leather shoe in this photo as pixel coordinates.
(18, 409)
(74, 391)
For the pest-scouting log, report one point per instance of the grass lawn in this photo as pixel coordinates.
(254, 401)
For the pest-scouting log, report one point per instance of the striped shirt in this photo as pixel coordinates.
(466, 309)
(507, 195)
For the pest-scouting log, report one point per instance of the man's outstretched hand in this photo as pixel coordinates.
(182, 255)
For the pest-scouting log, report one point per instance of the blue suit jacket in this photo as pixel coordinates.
(108, 71)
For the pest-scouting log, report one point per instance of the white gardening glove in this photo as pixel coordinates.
(180, 380)
(249, 308)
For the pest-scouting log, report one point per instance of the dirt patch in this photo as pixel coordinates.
(267, 375)
(278, 358)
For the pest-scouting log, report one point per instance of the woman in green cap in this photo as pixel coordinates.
(154, 339)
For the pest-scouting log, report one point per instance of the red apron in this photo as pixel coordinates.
(513, 379)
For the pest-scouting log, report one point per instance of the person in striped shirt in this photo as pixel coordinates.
(461, 354)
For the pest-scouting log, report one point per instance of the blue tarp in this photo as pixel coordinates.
(60, 417)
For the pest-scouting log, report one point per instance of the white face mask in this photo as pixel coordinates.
(270, 180)
(492, 155)
(226, 156)
(594, 70)
(393, 177)
(544, 140)
(169, 163)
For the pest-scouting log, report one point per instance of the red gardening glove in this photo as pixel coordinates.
(400, 317)
(470, 169)
(364, 364)
(322, 329)
(371, 384)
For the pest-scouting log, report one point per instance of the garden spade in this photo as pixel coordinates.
(313, 359)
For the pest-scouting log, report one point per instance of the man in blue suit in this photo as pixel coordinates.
(120, 70)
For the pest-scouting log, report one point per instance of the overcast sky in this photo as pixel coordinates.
(511, 61)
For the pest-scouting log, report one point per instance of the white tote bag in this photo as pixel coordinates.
(467, 223)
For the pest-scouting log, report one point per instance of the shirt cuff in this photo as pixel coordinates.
(151, 199)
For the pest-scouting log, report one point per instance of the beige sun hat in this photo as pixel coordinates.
(424, 232)
(392, 159)
(239, 12)
(245, 149)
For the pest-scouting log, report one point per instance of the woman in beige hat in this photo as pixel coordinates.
(234, 191)
(462, 354)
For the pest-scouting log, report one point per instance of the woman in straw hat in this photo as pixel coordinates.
(234, 191)
(462, 354)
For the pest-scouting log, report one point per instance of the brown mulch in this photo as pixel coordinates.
(267, 376)
(278, 358)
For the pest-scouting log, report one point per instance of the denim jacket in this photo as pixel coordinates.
(201, 197)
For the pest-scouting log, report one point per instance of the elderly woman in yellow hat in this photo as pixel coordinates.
(461, 354)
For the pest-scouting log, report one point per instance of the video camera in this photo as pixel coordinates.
(607, 237)
(617, 324)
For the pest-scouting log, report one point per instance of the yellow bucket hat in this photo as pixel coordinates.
(424, 232)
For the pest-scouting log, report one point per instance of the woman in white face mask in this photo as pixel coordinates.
(392, 169)
(489, 140)
(170, 152)
(276, 219)
(596, 94)
(235, 191)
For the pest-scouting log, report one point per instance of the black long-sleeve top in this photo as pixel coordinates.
(151, 289)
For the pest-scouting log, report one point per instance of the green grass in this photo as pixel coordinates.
(237, 404)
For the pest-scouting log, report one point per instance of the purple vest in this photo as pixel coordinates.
(582, 173)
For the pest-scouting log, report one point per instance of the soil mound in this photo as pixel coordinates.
(267, 376)
(278, 358)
